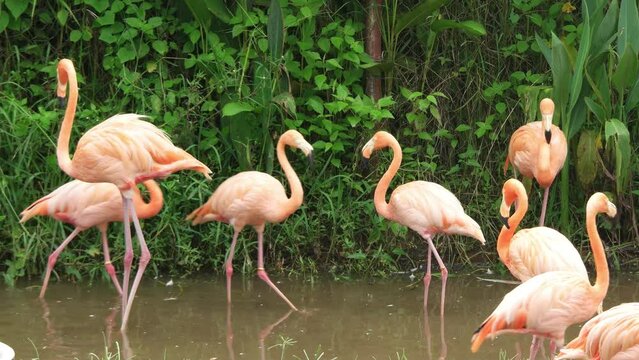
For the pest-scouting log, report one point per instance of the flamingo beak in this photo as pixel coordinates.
(548, 136)
(504, 221)
(62, 101)
(310, 158)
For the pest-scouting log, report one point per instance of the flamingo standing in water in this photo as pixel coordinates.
(533, 251)
(611, 335)
(548, 303)
(424, 207)
(255, 198)
(85, 205)
(123, 150)
(538, 150)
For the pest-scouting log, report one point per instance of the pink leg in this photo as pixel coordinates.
(261, 272)
(443, 269)
(553, 347)
(543, 207)
(427, 278)
(107, 259)
(53, 258)
(228, 264)
(128, 248)
(534, 347)
(229, 332)
(145, 257)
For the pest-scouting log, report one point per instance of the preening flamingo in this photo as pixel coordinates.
(538, 150)
(548, 303)
(533, 251)
(255, 198)
(425, 207)
(123, 150)
(611, 335)
(85, 205)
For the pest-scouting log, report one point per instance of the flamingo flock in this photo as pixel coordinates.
(116, 155)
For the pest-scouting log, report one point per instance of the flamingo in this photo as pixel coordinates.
(538, 150)
(425, 207)
(548, 303)
(86, 205)
(532, 251)
(123, 150)
(255, 198)
(613, 334)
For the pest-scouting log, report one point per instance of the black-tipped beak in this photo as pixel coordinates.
(365, 163)
(504, 220)
(62, 101)
(548, 136)
(310, 158)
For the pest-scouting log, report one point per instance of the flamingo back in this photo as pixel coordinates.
(125, 149)
(430, 208)
(247, 198)
(523, 151)
(541, 249)
(613, 334)
(545, 306)
(82, 204)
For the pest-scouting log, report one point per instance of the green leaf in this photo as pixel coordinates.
(626, 73)
(605, 32)
(75, 35)
(417, 15)
(584, 48)
(218, 9)
(598, 110)
(16, 7)
(334, 63)
(560, 68)
(234, 108)
(126, 53)
(337, 41)
(4, 20)
(462, 128)
(469, 26)
(617, 132)
(275, 31)
(628, 29)
(385, 101)
(62, 16)
(316, 104)
(262, 44)
(98, 5)
(320, 81)
(134, 22)
(160, 46)
(324, 44)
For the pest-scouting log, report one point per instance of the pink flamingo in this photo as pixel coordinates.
(255, 198)
(424, 207)
(123, 150)
(532, 251)
(611, 335)
(538, 150)
(85, 205)
(548, 303)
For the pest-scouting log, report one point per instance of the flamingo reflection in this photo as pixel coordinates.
(443, 350)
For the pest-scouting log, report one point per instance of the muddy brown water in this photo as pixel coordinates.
(355, 319)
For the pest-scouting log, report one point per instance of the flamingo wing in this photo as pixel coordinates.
(544, 306)
(541, 249)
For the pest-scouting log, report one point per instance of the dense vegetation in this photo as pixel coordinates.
(224, 79)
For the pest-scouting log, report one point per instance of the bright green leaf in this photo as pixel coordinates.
(16, 7)
(160, 46)
(234, 108)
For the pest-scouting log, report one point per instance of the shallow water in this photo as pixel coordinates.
(190, 320)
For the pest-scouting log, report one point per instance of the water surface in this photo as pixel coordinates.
(191, 320)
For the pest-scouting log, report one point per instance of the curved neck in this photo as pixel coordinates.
(506, 235)
(379, 199)
(67, 72)
(297, 192)
(156, 200)
(601, 264)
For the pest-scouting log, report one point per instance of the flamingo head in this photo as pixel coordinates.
(599, 203)
(378, 141)
(512, 190)
(294, 139)
(547, 108)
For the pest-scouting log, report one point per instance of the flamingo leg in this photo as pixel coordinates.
(443, 269)
(261, 272)
(427, 277)
(229, 332)
(128, 248)
(53, 258)
(145, 257)
(107, 259)
(553, 347)
(228, 264)
(442, 338)
(543, 207)
(534, 347)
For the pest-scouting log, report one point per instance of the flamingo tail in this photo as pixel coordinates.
(506, 163)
